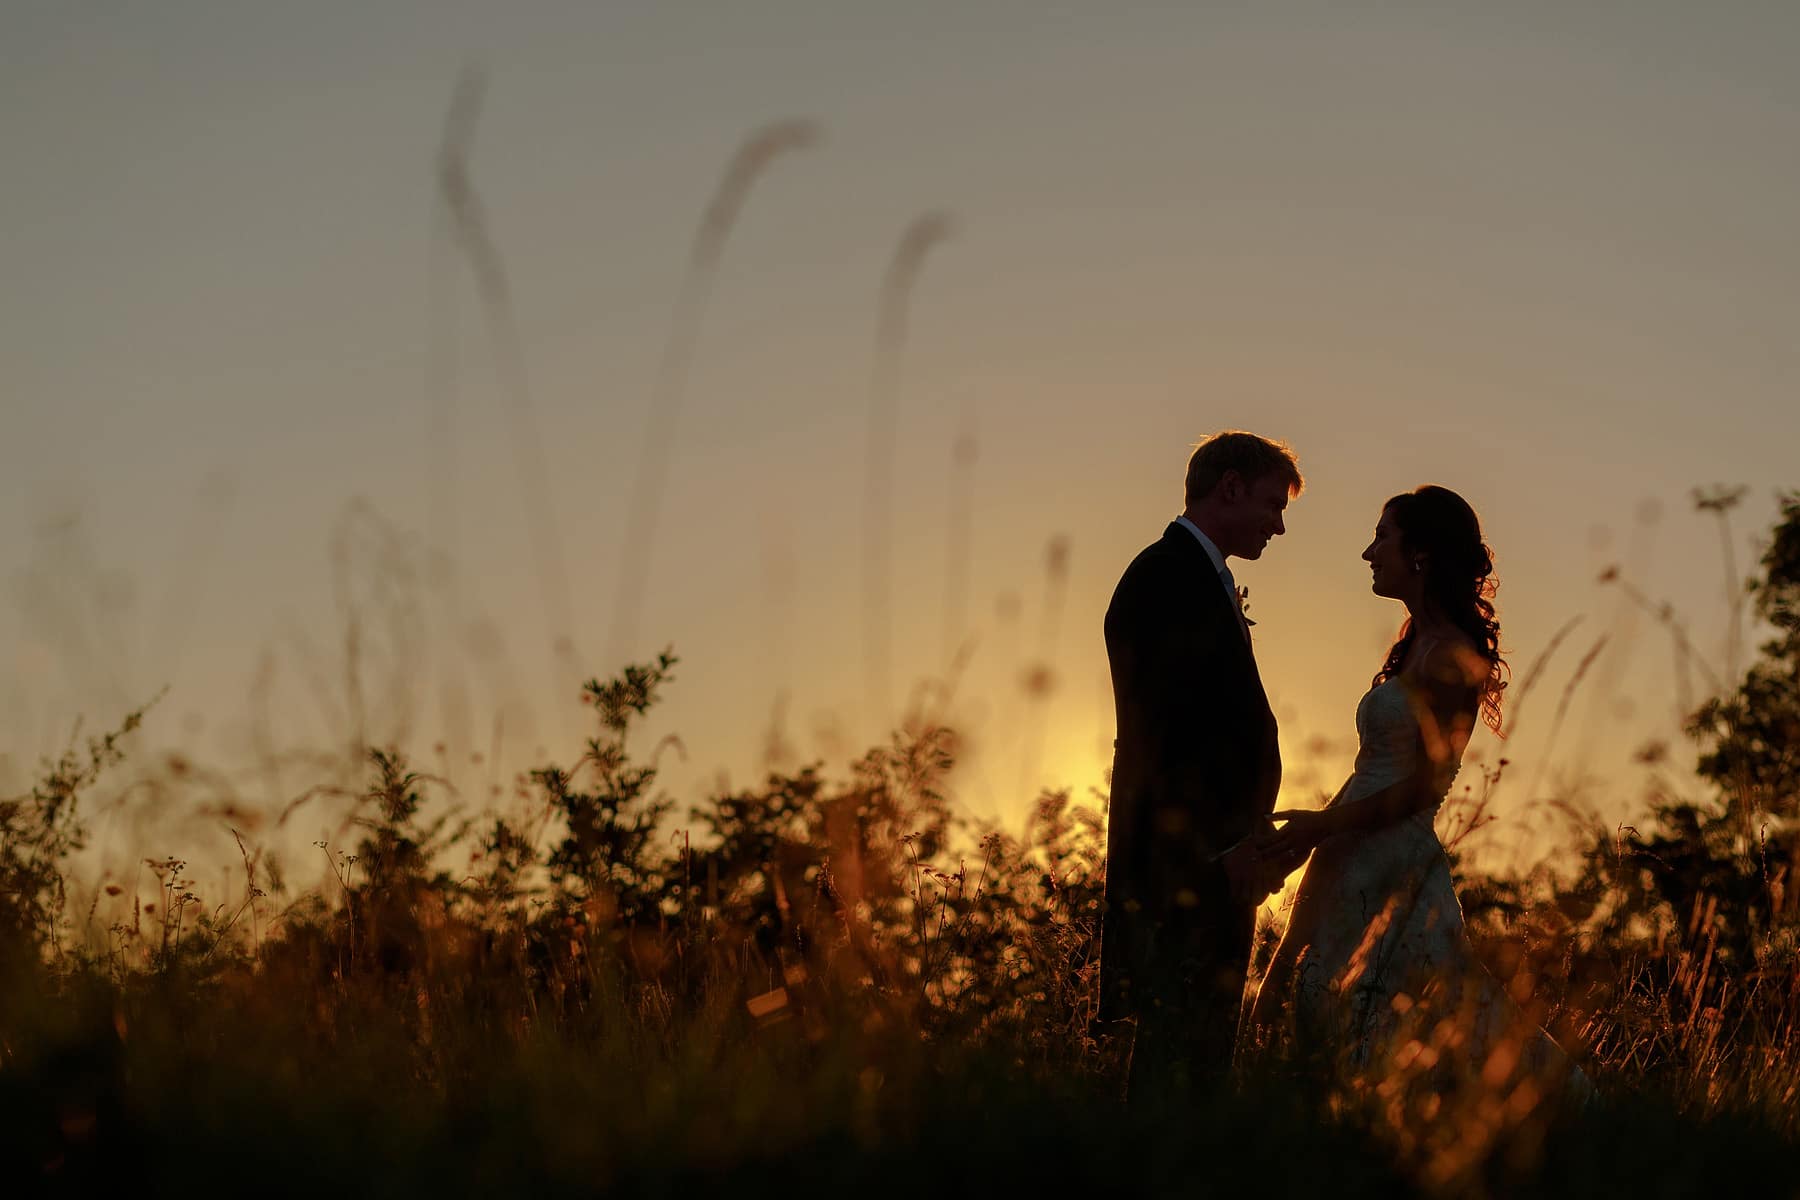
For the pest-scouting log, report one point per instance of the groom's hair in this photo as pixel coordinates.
(1250, 456)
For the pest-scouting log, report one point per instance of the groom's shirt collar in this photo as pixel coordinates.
(1206, 543)
(1218, 560)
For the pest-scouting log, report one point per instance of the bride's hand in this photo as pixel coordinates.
(1296, 839)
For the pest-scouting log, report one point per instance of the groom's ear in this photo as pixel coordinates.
(1231, 487)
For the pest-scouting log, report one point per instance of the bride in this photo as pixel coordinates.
(1375, 947)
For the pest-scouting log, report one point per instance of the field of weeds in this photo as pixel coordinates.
(829, 979)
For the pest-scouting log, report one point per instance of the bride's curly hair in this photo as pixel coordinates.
(1459, 577)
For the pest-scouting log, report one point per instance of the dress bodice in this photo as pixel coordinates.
(1387, 742)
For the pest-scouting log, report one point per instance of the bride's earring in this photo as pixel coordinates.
(1418, 566)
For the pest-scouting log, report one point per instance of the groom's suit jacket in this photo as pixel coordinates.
(1196, 767)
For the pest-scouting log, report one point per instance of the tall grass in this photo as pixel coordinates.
(824, 979)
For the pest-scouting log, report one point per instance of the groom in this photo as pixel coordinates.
(1195, 771)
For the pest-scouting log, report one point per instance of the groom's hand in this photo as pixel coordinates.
(1244, 872)
(1275, 866)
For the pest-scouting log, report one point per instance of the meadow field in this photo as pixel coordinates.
(833, 979)
(830, 980)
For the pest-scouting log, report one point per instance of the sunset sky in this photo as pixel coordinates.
(1539, 253)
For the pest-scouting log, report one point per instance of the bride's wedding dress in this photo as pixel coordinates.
(1375, 946)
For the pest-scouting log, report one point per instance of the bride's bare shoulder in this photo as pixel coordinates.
(1453, 660)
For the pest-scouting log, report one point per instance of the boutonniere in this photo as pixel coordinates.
(1244, 604)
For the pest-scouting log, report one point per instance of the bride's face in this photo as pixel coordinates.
(1390, 568)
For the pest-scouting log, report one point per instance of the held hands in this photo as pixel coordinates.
(1255, 869)
(1245, 873)
(1304, 830)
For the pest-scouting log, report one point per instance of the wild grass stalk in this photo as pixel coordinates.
(958, 542)
(1040, 679)
(754, 157)
(891, 322)
(474, 236)
(442, 377)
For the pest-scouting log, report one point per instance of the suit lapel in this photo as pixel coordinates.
(1212, 602)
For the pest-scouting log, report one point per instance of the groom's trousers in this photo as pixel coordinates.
(1187, 967)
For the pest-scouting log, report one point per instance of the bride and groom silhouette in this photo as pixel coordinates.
(1193, 849)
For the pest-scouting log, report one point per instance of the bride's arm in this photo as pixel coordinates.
(1443, 685)
(1306, 828)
